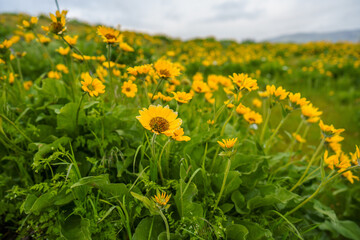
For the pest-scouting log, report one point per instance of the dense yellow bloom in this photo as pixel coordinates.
(161, 199)
(62, 68)
(159, 120)
(29, 24)
(310, 113)
(331, 161)
(298, 138)
(6, 44)
(58, 22)
(257, 102)
(355, 157)
(27, 85)
(329, 130)
(71, 40)
(244, 81)
(227, 143)
(63, 51)
(129, 89)
(277, 92)
(126, 47)
(182, 97)
(44, 40)
(166, 69)
(297, 100)
(209, 97)
(241, 109)
(140, 70)
(253, 117)
(54, 75)
(229, 104)
(92, 85)
(178, 135)
(109, 35)
(349, 175)
(200, 87)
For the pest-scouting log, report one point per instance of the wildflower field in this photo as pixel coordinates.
(110, 134)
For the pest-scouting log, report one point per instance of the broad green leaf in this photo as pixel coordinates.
(149, 204)
(66, 119)
(256, 232)
(346, 228)
(236, 232)
(270, 195)
(76, 228)
(53, 89)
(42, 202)
(149, 228)
(29, 202)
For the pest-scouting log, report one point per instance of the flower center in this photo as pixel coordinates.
(110, 36)
(128, 89)
(252, 120)
(164, 72)
(159, 124)
(56, 27)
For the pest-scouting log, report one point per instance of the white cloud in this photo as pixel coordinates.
(257, 19)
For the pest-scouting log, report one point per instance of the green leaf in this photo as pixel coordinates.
(42, 202)
(76, 228)
(270, 195)
(256, 232)
(149, 228)
(53, 89)
(102, 182)
(348, 229)
(149, 204)
(239, 201)
(66, 119)
(29, 202)
(184, 200)
(236, 232)
(233, 181)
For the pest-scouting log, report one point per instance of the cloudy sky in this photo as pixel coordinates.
(224, 19)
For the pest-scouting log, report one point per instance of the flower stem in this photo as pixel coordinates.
(223, 183)
(268, 142)
(153, 169)
(157, 87)
(159, 160)
(265, 125)
(77, 113)
(309, 165)
(166, 225)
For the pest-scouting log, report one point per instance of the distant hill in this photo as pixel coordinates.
(347, 35)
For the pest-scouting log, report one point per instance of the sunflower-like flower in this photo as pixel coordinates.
(109, 35)
(159, 120)
(178, 135)
(54, 75)
(329, 130)
(182, 97)
(297, 100)
(244, 81)
(129, 89)
(279, 92)
(166, 69)
(241, 109)
(63, 51)
(355, 157)
(298, 138)
(71, 40)
(140, 70)
(227, 143)
(253, 117)
(58, 22)
(92, 85)
(200, 87)
(161, 199)
(29, 24)
(311, 113)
